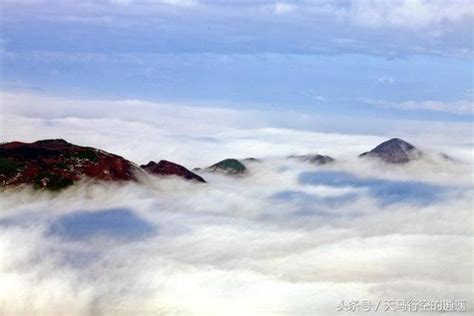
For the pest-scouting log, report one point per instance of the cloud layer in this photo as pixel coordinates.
(435, 27)
(288, 239)
(458, 107)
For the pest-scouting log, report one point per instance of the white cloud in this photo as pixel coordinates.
(44, 116)
(458, 107)
(231, 246)
(411, 13)
(218, 132)
(282, 8)
(179, 3)
(370, 27)
(404, 14)
(385, 80)
(320, 98)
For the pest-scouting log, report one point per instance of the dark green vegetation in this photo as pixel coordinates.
(88, 154)
(230, 165)
(50, 181)
(9, 167)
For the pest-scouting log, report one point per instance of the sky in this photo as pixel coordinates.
(402, 60)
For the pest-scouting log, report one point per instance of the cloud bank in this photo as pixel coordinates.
(436, 27)
(290, 238)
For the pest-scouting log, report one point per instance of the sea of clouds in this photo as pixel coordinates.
(289, 238)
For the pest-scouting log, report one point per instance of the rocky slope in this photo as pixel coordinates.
(168, 168)
(55, 164)
(394, 151)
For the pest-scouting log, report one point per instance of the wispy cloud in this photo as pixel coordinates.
(411, 14)
(438, 26)
(385, 80)
(462, 107)
(283, 7)
(320, 98)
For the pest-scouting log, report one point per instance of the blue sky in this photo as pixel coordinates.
(407, 59)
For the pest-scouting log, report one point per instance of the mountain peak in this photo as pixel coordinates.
(168, 168)
(229, 165)
(395, 151)
(55, 164)
(316, 159)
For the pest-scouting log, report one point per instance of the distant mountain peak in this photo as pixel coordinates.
(316, 159)
(229, 165)
(168, 168)
(395, 151)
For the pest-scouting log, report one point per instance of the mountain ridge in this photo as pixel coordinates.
(55, 164)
